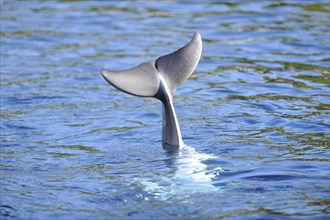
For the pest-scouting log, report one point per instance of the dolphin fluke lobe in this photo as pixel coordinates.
(160, 81)
(179, 65)
(142, 80)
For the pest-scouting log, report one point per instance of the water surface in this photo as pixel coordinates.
(254, 115)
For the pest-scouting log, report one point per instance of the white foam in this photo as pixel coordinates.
(190, 176)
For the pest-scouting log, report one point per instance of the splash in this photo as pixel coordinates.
(188, 176)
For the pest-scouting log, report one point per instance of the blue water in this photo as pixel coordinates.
(254, 115)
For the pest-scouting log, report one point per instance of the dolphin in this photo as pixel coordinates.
(160, 80)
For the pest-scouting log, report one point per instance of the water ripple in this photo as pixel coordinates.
(256, 111)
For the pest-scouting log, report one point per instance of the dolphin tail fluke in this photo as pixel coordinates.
(179, 65)
(144, 80)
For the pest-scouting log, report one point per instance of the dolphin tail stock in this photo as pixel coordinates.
(161, 81)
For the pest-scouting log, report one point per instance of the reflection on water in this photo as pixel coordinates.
(256, 111)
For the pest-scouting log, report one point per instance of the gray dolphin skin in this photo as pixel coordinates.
(161, 81)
